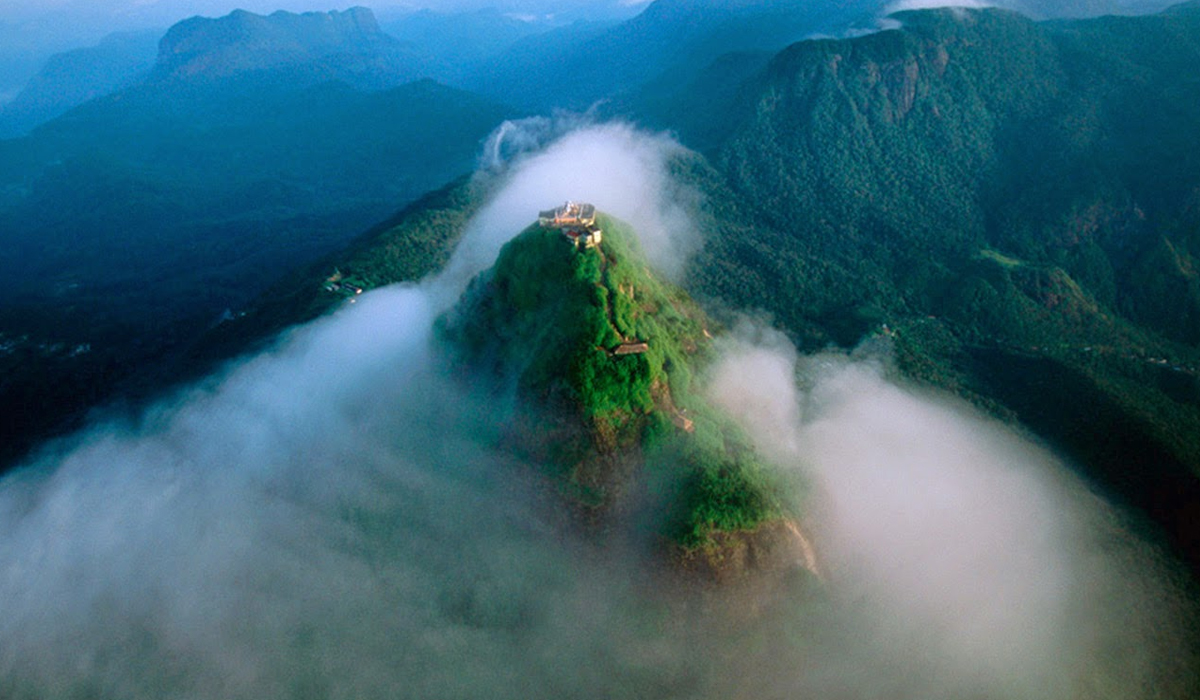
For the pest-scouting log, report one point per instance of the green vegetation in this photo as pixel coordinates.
(874, 173)
(726, 487)
(552, 318)
(1018, 202)
(138, 221)
(556, 315)
(1000, 193)
(414, 243)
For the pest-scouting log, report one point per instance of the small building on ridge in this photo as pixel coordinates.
(576, 220)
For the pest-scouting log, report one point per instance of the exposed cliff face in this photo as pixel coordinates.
(600, 355)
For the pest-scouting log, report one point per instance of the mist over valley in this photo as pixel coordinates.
(861, 360)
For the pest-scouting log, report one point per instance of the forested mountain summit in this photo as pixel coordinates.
(602, 358)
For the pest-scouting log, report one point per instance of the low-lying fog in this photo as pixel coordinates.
(334, 519)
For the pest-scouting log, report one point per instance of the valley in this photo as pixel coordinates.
(863, 331)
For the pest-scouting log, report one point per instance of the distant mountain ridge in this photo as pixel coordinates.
(670, 37)
(347, 45)
(71, 78)
(455, 44)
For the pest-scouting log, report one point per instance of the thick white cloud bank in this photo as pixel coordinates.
(970, 562)
(337, 518)
(623, 171)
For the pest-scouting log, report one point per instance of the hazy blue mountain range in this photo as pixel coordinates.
(458, 44)
(32, 31)
(71, 78)
(158, 207)
(576, 67)
(348, 46)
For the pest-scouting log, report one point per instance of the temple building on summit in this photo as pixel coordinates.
(576, 220)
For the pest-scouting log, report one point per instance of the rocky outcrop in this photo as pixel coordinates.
(779, 547)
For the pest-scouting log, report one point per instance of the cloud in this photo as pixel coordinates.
(332, 517)
(338, 518)
(965, 561)
(623, 171)
(905, 5)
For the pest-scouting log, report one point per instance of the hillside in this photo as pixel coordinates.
(917, 149)
(310, 47)
(208, 186)
(599, 356)
(576, 67)
(592, 361)
(71, 78)
(410, 245)
(1012, 203)
(137, 221)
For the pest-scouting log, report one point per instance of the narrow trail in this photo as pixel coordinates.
(604, 284)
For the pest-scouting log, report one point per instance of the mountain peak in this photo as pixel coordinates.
(602, 355)
(1183, 7)
(243, 41)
